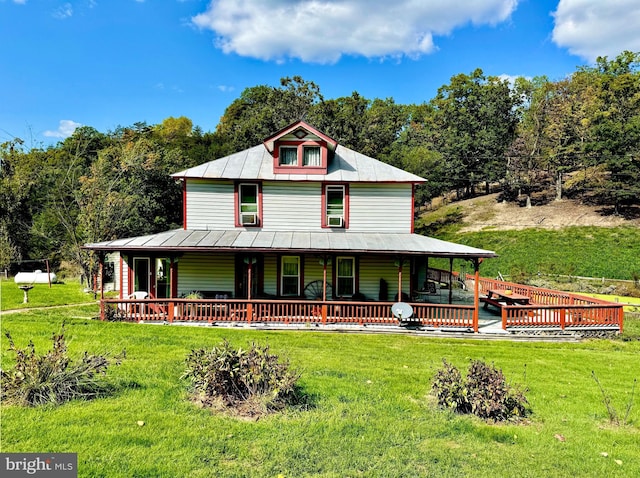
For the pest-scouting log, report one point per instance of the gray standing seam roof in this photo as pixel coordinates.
(256, 163)
(181, 240)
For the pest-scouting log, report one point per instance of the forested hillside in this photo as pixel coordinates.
(534, 140)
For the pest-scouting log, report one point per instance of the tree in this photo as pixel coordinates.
(173, 128)
(262, 110)
(414, 150)
(128, 192)
(475, 124)
(616, 128)
(369, 127)
(14, 214)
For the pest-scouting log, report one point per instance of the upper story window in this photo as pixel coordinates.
(311, 156)
(301, 157)
(248, 204)
(288, 156)
(335, 205)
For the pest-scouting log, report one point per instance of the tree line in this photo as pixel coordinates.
(535, 139)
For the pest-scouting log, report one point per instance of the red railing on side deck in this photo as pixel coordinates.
(553, 308)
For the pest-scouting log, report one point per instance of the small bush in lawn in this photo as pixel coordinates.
(252, 381)
(52, 378)
(113, 314)
(484, 393)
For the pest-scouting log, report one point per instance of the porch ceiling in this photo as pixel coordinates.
(181, 240)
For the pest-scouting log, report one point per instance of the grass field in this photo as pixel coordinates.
(632, 304)
(613, 253)
(11, 297)
(370, 412)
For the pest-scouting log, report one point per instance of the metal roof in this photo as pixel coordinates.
(257, 164)
(181, 240)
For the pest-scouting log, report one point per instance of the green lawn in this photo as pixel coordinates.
(70, 292)
(632, 304)
(370, 414)
(613, 253)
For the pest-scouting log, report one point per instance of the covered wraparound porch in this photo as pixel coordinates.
(263, 277)
(548, 310)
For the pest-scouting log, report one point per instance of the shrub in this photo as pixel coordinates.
(252, 381)
(484, 393)
(53, 378)
(113, 314)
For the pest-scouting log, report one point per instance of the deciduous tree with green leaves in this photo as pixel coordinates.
(475, 122)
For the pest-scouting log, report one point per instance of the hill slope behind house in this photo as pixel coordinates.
(560, 239)
(486, 212)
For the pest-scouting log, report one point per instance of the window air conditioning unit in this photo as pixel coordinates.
(249, 218)
(336, 221)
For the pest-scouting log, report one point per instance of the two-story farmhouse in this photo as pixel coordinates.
(296, 218)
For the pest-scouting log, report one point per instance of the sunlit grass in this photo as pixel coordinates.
(370, 412)
(612, 253)
(70, 292)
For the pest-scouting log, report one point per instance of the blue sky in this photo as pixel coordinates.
(113, 63)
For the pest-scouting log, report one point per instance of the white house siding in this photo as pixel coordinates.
(380, 207)
(297, 206)
(270, 274)
(210, 205)
(291, 206)
(372, 269)
(124, 287)
(312, 271)
(200, 272)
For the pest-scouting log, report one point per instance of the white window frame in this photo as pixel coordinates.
(243, 205)
(330, 212)
(305, 161)
(288, 147)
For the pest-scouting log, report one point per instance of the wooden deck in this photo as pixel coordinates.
(533, 308)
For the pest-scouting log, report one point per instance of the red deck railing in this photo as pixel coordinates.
(553, 308)
(547, 308)
(282, 312)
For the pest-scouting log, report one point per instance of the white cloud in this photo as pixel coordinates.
(592, 28)
(20, 2)
(511, 79)
(324, 30)
(65, 129)
(225, 88)
(64, 11)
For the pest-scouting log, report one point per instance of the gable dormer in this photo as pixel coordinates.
(300, 149)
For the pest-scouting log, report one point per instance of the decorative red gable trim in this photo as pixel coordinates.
(332, 143)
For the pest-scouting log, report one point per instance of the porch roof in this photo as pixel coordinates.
(181, 240)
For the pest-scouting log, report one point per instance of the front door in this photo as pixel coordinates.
(141, 281)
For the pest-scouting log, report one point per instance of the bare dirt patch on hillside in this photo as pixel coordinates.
(486, 212)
